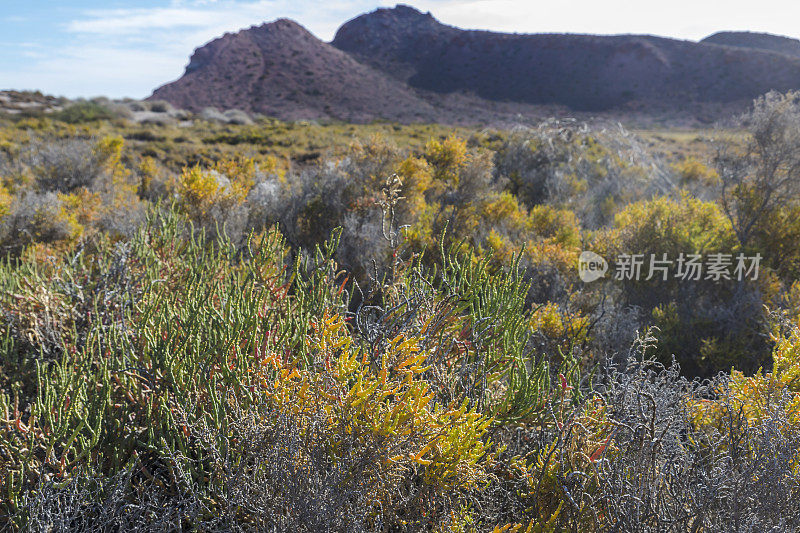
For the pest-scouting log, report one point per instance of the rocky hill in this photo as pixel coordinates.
(282, 70)
(401, 64)
(757, 41)
(584, 72)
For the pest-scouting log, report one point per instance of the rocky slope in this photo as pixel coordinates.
(584, 72)
(758, 41)
(282, 70)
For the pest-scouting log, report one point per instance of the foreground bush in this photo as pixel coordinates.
(387, 340)
(142, 356)
(180, 382)
(707, 324)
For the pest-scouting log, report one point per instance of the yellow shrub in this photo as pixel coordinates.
(563, 328)
(665, 225)
(148, 171)
(109, 149)
(505, 209)
(242, 174)
(420, 233)
(756, 396)
(5, 201)
(501, 249)
(556, 226)
(225, 185)
(791, 303)
(447, 158)
(692, 170)
(83, 207)
(200, 189)
(549, 236)
(418, 184)
(381, 398)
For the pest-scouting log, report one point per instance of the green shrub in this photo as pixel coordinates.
(82, 112)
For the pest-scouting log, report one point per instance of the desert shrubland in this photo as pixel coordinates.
(392, 335)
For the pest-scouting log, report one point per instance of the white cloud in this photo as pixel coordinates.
(213, 14)
(127, 21)
(94, 71)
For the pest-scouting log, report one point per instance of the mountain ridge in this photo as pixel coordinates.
(401, 64)
(756, 41)
(585, 72)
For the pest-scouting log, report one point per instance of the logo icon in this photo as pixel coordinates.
(591, 266)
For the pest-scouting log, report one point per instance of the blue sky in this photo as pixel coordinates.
(121, 48)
